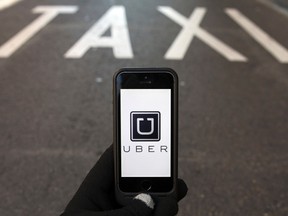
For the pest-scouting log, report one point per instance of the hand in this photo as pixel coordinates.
(95, 196)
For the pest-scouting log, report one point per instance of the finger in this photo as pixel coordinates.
(182, 189)
(147, 199)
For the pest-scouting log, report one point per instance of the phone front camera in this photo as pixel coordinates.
(145, 77)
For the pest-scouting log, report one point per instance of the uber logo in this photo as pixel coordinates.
(145, 126)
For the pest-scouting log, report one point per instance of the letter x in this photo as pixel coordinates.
(191, 28)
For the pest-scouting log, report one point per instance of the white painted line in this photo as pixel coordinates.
(269, 43)
(115, 20)
(275, 7)
(99, 79)
(7, 3)
(191, 28)
(48, 14)
(181, 44)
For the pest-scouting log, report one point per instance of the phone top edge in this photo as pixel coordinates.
(149, 70)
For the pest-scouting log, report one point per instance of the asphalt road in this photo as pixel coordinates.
(56, 106)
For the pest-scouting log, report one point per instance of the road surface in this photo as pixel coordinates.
(57, 60)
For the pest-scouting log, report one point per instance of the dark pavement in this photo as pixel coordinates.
(56, 112)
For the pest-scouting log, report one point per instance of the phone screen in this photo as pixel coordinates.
(145, 120)
(145, 109)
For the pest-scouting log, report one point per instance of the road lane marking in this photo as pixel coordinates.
(99, 79)
(275, 7)
(191, 28)
(265, 40)
(119, 41)
(48, 14)
(7, 3)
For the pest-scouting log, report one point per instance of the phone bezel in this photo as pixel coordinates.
(157, 78)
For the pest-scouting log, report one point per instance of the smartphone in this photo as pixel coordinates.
(145, 132)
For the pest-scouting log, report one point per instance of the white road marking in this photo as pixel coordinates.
(7, 3)
(191, 28)
(119, 41)
(269, 43)
(99, 79)
(48, 14)
(274, 6)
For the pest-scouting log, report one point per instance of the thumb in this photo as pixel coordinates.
(137, 207)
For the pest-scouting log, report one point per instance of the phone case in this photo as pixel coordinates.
(124, 198)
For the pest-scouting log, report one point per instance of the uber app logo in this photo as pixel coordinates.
(145, 126)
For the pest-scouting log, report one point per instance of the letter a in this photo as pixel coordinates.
(119, 41)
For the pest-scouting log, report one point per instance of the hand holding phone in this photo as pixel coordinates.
(95, 195)
(145, 132)
(145, 106)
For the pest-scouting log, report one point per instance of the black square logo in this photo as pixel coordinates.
(145, 126)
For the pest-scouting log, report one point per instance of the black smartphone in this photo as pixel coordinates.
(145, 131)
